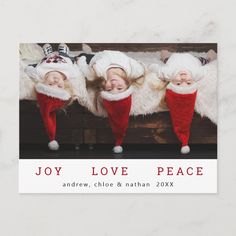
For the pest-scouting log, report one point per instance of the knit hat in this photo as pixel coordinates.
(56, 62)
(50, 99)
(118, 109)
(104, 60)
(181, 102)
(180, 62)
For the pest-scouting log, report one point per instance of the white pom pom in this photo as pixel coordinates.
(117, 149)
(53, 145)
(185, 149)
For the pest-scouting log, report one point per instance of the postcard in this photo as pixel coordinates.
(118, 117)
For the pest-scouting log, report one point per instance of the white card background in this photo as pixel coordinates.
(117, 21)
(118, 176)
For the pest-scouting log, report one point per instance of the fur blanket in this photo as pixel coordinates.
(146, 99)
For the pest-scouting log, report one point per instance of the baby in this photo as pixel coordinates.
(182, 71)
(112, 74)
(53, 88)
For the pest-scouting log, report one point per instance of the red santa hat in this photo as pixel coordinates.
(50, 99)
(56, 62)
(118, 109)
(181, 102)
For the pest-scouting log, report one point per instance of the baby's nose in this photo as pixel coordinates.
(184, 84)
(183, 73)
(113, 82)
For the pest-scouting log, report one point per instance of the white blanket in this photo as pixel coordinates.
(146, 99)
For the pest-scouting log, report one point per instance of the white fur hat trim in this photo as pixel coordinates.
(116, 96)
(52, 91)
(182, 90)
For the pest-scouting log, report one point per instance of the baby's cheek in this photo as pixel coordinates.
(175, 82)
(48, 80)
(107, 86)
(45, 82)
(125, 86)
(177, 77)
(189, 77)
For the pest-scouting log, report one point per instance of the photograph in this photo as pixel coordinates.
(118, 100)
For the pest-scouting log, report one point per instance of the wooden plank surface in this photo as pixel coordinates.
(77, 126)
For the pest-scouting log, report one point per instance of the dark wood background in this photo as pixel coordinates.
(142, 47)
(78, 126)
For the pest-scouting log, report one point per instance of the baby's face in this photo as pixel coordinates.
(54, 79)
(116, 80)
(183, 79)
